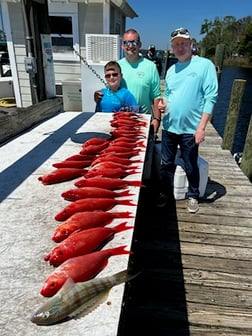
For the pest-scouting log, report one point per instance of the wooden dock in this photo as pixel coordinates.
(196, 269)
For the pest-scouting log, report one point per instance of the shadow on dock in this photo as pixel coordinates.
(155, 301)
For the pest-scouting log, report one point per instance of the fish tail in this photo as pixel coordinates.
(144, 123)
(141, 144)
(132, 171)
(126, 202)
(122, 227)
(134, 167)
(120, 250)
(125, 214)
(134, 183)
(124, 193)
(136, 161)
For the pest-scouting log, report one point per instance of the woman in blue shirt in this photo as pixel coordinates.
(114, 98)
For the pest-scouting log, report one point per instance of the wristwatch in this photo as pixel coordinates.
(156, 118)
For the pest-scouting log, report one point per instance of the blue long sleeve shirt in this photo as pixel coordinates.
(191, 89)
(114, 101)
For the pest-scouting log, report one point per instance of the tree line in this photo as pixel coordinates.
(236, 35)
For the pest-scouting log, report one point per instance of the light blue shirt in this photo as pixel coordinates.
(191, 88)
(114, 101)
(142, 79)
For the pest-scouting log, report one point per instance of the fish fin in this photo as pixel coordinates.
(68, 284)
(91, 305)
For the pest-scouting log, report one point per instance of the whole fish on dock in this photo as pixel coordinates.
(92, 192)
(114, 158)
(128, 144)
(129, 154)
(90, 204)
(116, 133)
(94, 149)
(128, 140)
(107, 182)
(127, 115)
(78, 299)
(110, 172)
(120, 149)
(128, 122)
(110, 164)
(62, 175)
(80, 157)
(94, 141)
(83, 242)
(81, 268)
(73, 163)
(86, 220)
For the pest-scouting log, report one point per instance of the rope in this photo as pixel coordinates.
(7, 102)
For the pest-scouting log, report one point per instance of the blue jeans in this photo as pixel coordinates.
(189, 154)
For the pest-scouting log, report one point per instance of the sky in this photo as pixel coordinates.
(157, 19)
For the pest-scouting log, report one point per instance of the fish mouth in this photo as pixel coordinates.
(45, 322)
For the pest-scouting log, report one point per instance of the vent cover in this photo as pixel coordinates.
(101, 48)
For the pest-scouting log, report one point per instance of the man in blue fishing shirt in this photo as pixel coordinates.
(191, 90)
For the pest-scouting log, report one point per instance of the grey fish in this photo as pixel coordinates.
(79, 298)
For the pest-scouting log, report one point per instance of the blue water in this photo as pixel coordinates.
(229, 74)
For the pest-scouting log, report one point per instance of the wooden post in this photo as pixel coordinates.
(246, 163)
(219, 58)
(219, 55)
(233, 112)
(203, 51)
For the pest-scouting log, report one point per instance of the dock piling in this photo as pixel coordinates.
(233, 113)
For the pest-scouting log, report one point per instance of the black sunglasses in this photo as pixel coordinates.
(181, 31)
(114, 74)
(133, 42)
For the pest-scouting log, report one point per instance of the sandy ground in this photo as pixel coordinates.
(27, 222)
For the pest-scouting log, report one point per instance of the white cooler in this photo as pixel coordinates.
(181, 182)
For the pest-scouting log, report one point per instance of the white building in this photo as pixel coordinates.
(41, 50)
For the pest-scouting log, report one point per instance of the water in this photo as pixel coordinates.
(229, 74)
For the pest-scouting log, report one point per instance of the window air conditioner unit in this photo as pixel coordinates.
(102, 48)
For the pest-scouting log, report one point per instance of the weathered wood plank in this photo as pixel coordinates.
(227, 317)
(215, 219)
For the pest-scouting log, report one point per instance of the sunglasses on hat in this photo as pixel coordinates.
(180, 31)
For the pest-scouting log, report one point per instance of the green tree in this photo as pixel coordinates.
(245, 45)
(234, 34)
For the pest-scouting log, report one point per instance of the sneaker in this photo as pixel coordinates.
(193, 205)
(162, 200)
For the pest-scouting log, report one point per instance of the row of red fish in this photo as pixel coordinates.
(102, 164)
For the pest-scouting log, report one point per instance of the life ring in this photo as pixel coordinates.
(7, 102)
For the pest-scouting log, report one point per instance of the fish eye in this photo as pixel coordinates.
(46, 315)
(52, 284)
